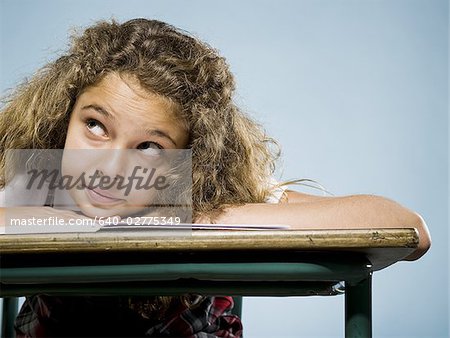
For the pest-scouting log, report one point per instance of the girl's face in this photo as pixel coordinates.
(116, 127)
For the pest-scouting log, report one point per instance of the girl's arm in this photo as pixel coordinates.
(303, 211)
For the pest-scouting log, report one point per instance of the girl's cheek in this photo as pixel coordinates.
(77, 139)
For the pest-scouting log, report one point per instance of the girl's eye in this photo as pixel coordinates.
(150, 148)
(96, 128)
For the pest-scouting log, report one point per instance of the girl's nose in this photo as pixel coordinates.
(113, 162)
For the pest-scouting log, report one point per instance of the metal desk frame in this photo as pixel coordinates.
(256, 269)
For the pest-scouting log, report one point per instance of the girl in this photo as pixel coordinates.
(146, 85)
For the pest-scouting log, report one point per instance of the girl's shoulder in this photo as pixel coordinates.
(277, 191)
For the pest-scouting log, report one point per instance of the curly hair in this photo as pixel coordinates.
(232, 158)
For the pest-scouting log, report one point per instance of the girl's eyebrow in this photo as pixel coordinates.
(160, 133)
(150, 132)
(100, 110)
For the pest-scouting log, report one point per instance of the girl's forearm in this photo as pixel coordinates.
(350, 212)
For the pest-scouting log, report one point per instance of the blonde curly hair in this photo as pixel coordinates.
(232, 157)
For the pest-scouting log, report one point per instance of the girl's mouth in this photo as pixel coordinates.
(98, 196)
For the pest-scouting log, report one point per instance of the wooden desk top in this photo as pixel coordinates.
(382, 247)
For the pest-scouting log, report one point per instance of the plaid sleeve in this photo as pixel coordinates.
(210, 318)
(47, 316)
(35, 312)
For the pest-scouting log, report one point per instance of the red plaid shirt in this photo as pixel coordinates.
(45, 316)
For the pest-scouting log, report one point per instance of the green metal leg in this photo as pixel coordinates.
(10, 307)
(358, 309)
(237, 308)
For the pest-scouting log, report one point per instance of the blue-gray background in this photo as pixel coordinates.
(356, 92)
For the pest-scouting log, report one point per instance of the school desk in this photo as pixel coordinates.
(238, 263)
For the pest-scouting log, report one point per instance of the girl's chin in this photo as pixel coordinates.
(100, 212)
(92, 211)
